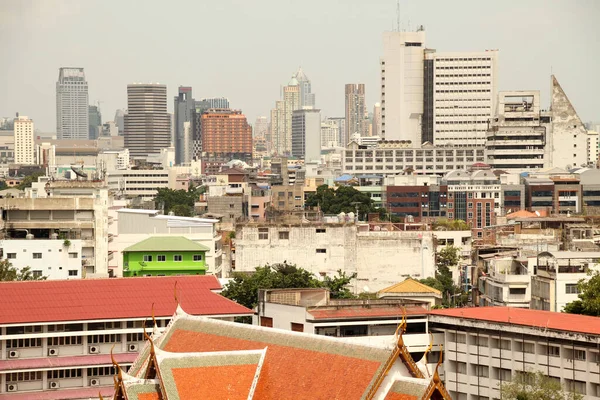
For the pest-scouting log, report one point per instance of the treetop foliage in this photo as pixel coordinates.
(589, 297)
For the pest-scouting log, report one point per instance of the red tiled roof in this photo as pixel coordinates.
(58, 362)
(522, 316)
(90, 299)
(289, 371)
(231, 382)
(363, 312)
(63, 394)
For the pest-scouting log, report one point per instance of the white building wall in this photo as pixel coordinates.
(398, 254)
(464, 93)
(24, 146)
(593, 149)
(402, 85)
(50, 258)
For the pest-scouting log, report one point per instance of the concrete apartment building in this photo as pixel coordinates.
(24, 144)
(140, 182)
(402, 85)
(72, 101)
(356, 111)
(459, 95)
(61, 231)
(147, 122)
(487, 346)
(324, 248)
(133, 226)
(226, 135)
(395, 157)
(57, 337)
(555, 276)
(306, 134)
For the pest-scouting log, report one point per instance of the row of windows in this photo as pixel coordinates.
(13, 256)
(464, 91)
(176, 257)
(413, 153)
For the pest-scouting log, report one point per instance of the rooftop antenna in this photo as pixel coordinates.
(397, 15)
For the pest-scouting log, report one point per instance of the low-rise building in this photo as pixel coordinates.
(412, 290)
(56, 338)
(507, 281)
(556, 277)
(379, 257)
(163, 256)
(487, 346)
(134, 225)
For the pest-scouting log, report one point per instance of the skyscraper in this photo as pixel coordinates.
(226, 135)
(23, 131)
(291, 102)
(184, 107)
(306, 134)
(147, 123)
(95, 122)
(200, 107)
(217, 102)
(120, 121)
(356, 118)
(276, 127)
(261, 126)
(307, 98)
(460, 92)
(376, 122)
(72, 104)
(402, 85)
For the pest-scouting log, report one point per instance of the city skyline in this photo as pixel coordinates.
(527, 56)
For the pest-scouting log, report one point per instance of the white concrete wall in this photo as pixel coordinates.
(283, 315)
(55, 262)
(380, 259)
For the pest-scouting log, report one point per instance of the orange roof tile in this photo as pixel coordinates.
(227, 382)
(410, 285)
(148, 396)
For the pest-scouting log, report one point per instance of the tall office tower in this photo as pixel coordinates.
(330, 134)
(120, 121)
(276, 127)
(376, 121)
(306, 134)
(147, 123)
(95, 121)
(184, 106)
(402, 85)
(291, 102)
(72, 119)
(24, 146)
(217, 102)
(307, 98)
(261, 126)
(200, 107)
(460, 91)
(226, 135)
(356, 113)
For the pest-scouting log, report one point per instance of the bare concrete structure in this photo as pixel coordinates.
(380, 258)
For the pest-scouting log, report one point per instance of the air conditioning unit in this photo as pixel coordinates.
(11, 387)
(53, 385)
(94, 382)
(94, 349)
(132, 348)
(13, 354)
(52, 352)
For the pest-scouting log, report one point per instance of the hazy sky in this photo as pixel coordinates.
(246, 49)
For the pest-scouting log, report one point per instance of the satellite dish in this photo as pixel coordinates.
(366, 289)
(537, 213)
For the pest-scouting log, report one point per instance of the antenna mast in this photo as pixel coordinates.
(397, 15)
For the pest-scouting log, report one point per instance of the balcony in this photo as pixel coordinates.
(234, 190)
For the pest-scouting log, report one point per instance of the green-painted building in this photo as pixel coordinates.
(164, 256)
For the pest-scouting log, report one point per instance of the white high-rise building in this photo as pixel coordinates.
(307, 97)
(72, 101)
(402, 85)
(24, 146)
(330, 134)
(306, 134)
(459, 100)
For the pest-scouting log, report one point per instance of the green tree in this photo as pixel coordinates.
(443, 224)
(589, 297)
(338, 285)
(182, 210)
(447, 257)
(28, 180)
(243, 289)
(535, 386)
(343, 199)
(167, 199)
(3, 185)
(10, 273)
